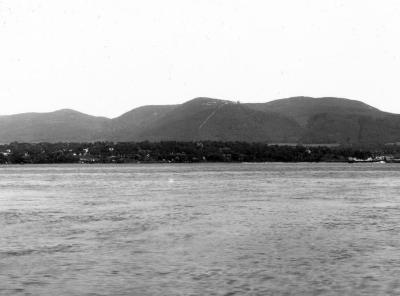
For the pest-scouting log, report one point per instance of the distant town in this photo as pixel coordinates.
(188, 152)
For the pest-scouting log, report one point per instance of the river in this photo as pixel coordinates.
(200, 229)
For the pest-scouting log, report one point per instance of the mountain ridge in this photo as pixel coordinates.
(290, 120)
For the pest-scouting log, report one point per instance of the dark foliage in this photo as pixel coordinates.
(171, 151)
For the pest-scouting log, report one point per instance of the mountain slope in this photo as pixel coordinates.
(352, 129)
(294, 120)
(63, 125)
(127, 126)
(303, 108)
(336, 120)
(211, 119)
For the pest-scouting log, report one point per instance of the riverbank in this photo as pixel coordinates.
(178, 152)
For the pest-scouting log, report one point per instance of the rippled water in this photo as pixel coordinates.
(204, 229)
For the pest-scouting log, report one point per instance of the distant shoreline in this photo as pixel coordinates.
(194, 163)
(187, 152)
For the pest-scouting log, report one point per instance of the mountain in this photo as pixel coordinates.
(293, 120)
(302, 109)
(211, 119)
(129, 125)
(352, 129)
(337, 120)
(63, 125)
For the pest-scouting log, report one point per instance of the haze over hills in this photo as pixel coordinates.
(293, 120)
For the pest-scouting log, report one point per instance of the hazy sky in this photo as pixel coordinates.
(106, 57)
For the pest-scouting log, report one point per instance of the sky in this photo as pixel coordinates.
(105, 57)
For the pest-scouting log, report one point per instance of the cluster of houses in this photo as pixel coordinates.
(379, 159)
(108, 154)
(6, 152)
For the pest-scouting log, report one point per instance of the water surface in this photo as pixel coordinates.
(203, 229)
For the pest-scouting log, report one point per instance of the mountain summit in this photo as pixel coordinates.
(293, 120)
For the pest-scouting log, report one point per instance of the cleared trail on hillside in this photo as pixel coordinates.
(211, 115)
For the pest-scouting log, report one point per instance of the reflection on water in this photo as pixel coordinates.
(204, 229)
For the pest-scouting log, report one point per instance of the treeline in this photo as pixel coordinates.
(170, 151)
